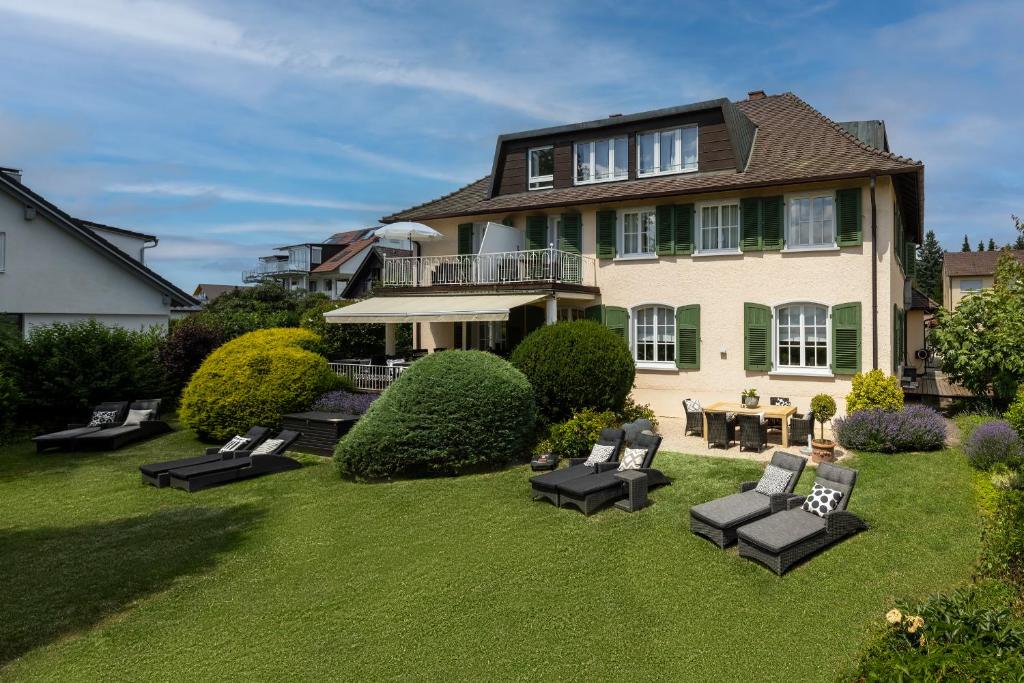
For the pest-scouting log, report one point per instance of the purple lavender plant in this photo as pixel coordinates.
(341, 401)
(993, 443)
(914, 428)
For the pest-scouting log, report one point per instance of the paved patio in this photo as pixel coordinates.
(672, 430)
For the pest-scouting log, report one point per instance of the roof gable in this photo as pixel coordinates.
(961, 263)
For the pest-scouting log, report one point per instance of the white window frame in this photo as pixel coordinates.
(592, 160)
(698, 222)
(816, 371)
(540, 182)
(620, 230)
(678, 130)
(633, 337)
(3, 251)
(971, 290)
(810, 196)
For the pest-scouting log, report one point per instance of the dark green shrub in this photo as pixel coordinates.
(449, 413)
(187, 345)
(576, 436)
(10, 401)
(633, 411)
(65, 369)
(254, 380)
(1015, 413)
(576, 365)
(261, 307)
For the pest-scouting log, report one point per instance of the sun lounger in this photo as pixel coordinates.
(588, 494)
(198, 477)
(116, 437)
(158, 473)
(66, 437)
(546, 485)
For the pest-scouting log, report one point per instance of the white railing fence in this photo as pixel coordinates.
(547, 265)
(369, 377)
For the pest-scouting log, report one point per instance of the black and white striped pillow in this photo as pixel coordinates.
(235, 444)
(822, 500)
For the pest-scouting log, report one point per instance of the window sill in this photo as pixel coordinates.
(577, 183)
(801, 372)
(655, 174)
(637, 257)
(717, 252)
(545, 187)
(653, 365)
(800, 250)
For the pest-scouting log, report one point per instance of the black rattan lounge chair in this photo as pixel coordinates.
(774, 422)
(588, 494)
(718, 520)
(781, 540)
(800, 427)
(546, 485)
(721, 430)
(65, 438)
(198, 477)
(753, 432)
(158, 473)
(121, 435)
(694, 420)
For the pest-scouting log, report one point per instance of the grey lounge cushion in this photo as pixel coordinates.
(777, 532)
(730, 511)
(583, 486)
(549, 481)
(774, 480)
(66, 434)
(104, 434)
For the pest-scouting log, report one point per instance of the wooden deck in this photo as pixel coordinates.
(936, 384)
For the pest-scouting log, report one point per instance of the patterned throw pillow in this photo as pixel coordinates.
(822, 500)
(598, 454)
(267, 447)
(693, 406)
(774, 480)
(103, 417)
(781, 401)
(632, 459)
(235, 444)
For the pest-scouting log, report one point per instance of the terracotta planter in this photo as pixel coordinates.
(823, 451)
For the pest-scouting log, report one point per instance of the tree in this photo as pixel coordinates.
(981, 246)
(966, 245)
(991, 244)
(981, 343)
(1017, 223)
(928, 271)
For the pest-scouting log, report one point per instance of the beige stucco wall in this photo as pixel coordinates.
(951, 286)
(721, 285)
(915, 337)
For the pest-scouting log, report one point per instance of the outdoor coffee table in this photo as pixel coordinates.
(636, 485)
(777, 412)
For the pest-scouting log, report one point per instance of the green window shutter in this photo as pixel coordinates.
(536, 232)
(682, 220)
(846, 339)
(910, 259)
(616, 319)
(571, 238)
(772, 223)
(606, 234)
(466, 238)
(666, 238)
(750, 224)
(849, 231)
(595, 313)
(688, 337)
(895, 338)
(757, 337)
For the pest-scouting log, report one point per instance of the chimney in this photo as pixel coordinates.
(14, 173)
(755, 95)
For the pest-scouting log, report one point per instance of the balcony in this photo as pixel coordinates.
(268, 269)
(540, 266)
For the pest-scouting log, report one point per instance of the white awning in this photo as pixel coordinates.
(431, 309)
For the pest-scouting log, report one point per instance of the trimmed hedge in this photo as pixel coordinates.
(576, 365)
(187, 345)
(10, 399)
(449, 413)
(254, 380)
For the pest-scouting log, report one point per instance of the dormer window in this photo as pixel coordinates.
(542, 168)
(661, 152)
(598, 161)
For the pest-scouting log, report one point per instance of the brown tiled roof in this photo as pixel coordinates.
(794, 143)
(960, 263)
(214, 291)
(344, 255)
(921, 301)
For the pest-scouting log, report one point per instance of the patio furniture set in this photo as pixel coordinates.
(774, 526)
(111, 426)
(244, 457)
(724, 424)
(618, 470)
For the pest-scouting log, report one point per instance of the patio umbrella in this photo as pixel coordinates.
(417, 232)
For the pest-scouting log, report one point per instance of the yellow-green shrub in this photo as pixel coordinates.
(255, 379)
(874, 389)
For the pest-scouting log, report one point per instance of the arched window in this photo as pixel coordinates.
(654, 334)
(802, 334)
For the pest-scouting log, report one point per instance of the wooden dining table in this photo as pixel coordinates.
(775, 412)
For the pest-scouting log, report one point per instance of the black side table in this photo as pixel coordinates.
(636, 486)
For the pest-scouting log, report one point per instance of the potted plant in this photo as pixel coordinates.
(749, 398)
(824, 407)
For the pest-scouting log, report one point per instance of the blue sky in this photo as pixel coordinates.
(228, 128)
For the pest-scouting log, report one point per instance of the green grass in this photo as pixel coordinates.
(301, 575)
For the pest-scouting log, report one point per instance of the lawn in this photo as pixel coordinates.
(301, 575)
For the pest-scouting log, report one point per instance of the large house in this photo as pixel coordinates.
(325, 267)
(971, 271)
(731, 245)
(57, 268)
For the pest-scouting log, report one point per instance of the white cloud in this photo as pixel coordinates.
(240, 195)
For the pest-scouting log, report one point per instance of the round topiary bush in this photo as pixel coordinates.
(874, 389)
(449, 413)
(576, 365)
(254, 380)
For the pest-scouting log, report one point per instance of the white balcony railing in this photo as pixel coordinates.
(536, 265)
(369, 377)
(270, 268)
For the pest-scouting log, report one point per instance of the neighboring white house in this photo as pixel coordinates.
(56, 268)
